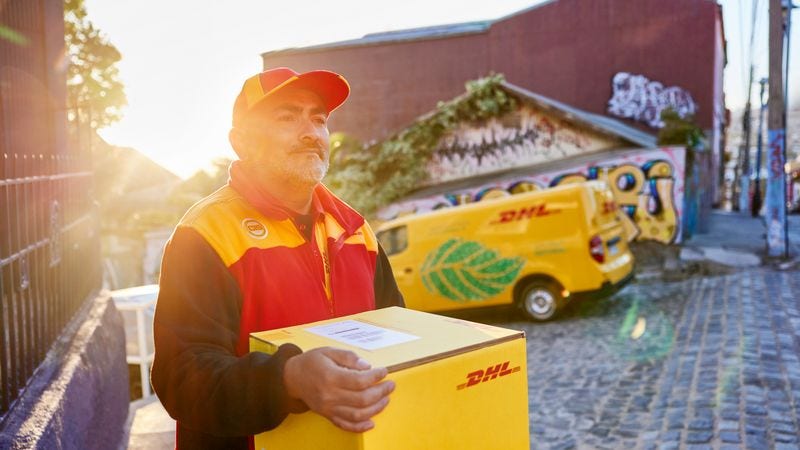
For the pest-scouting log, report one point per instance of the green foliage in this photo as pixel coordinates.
(466, 271)
(370, 177)
(95, 93)
(678, 130)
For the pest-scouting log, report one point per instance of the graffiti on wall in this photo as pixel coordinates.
(524, 137)
(636, 97)
(647, 185)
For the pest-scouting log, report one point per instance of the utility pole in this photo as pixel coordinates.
(775, 217)
(787, 6)
(744, 153)
(756, 205)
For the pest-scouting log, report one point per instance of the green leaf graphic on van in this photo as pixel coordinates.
(466, 271)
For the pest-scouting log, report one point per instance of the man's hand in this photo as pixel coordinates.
(338, 385)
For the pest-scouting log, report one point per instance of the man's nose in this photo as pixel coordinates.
(309, 133)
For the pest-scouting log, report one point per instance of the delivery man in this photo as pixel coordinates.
(270, 249)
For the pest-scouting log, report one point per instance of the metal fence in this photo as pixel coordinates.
(49, 243)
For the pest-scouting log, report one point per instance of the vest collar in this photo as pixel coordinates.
(322, 201)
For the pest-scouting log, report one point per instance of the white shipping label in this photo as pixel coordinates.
(361, 334)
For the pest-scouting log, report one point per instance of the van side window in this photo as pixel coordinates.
(394, 240)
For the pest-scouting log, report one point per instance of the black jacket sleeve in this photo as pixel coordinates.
(386, 291)
(196, 374)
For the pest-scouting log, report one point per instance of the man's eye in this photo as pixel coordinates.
(320, 120)
(285, 118)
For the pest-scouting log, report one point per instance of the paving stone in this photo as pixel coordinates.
(783, 446)
(783, 427)
(701, 424)
(729, 425)
(754, 442)
(730, 414)
(756, 410)
(567, 445)
(731, 437)
(786, 438)
(698, 437)
(599, 431)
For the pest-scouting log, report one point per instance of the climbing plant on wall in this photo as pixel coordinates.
(679, 130)
(372, 176)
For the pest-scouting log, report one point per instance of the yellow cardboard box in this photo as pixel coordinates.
(459, 385)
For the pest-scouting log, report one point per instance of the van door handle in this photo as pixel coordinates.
(408, 270)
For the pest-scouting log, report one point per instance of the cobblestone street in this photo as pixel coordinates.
(701, 363)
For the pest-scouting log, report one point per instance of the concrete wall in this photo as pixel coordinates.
(78, 397)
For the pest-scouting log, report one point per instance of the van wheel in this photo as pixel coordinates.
(540, 300)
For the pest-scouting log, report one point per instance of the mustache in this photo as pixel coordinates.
(315, 147)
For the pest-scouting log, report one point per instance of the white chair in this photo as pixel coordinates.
(137, 306)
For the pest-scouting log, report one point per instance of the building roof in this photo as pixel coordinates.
(413, 34)
(602, 124)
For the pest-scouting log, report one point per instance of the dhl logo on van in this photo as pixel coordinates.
(491, 373)
(525, 213)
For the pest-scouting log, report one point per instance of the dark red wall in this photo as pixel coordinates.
(568, 50)
(392, 84)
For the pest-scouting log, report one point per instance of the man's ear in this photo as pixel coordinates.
(239, 140)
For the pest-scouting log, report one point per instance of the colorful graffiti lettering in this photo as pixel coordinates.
(648, 190)
(644, 194)
(636, 97)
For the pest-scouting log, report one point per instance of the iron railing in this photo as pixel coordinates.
(49, 242)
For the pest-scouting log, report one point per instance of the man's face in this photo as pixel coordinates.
(287, 138)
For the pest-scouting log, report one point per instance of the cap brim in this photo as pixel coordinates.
(331, 87)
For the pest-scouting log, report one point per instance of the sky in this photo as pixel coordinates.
(184, 61)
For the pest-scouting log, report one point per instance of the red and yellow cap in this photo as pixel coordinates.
(330, 86)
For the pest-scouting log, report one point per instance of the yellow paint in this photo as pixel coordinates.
(661, 169)
(525, 186)
(572, 179)
(631, 195)
(494, 193)
(661, 227)
(427, 410)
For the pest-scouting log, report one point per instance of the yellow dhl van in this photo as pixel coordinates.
(537, 250)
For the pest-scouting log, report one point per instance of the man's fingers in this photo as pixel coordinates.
(367, 397)
(355, 427)
(359, 381)
(358, 419)
(346, 358)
